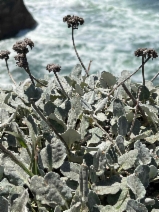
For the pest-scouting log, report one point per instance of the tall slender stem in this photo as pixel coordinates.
(28, 71)
(154, 77)
(10, 73)
(143, 70)
(127, 78)
(60, 84)
(78, 54)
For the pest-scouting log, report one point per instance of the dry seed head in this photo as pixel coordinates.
(4, 54)
(73, 21)
(53, 67)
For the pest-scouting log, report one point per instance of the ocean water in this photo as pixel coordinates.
(112, 31)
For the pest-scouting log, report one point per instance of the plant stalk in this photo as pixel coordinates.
(10, 73)
(78, 54)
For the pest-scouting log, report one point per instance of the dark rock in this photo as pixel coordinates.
(14, 17)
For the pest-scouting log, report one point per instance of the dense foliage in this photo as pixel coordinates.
(79, 143)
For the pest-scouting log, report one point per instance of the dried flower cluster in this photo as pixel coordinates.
(73, 21)
(4, 54)
(21, 48)
(53, 67)
(146, 52)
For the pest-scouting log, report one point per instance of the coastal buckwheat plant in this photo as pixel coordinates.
(79, 143)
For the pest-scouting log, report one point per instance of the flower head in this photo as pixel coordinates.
(21, 60)
(20, 47)
(4, 54)
(53, 67)
(29, 42)
(73, 21)
(146, 52)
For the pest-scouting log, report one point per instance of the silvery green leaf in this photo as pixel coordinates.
(153, 171)
(108, 208)
(142, 172)
(57, 209)
(53, 155)
(62, 110)
(75, 208)
(143, 153)
(78, 89)
(58, 124)
(86, 105)
(91, 97)
(136, 127)
(107, 79)
(92, 173)
(91, 81)
(109, 186)
(149, 201)
(136, 186)
(93, 200)
(31, 126)
(70, 136)
(135, 206)
(154, 210)
(33, 92)
(83, 182)
(120, 143)
(4, 116)
(140, 136)
(84, 125)
(127, 160)
(97, 134)
(7, 187)
(151, 115)
(118, 108)
(153, 138)
(4, 205)
(76, 73)
(49, 108)
(144, 92)
(122, 200)
(19, 204)
(70, 170)
(75, 111)
(101, 117)
(13, 172)
(50, 190)
(123, 125)
(101, 104)
(1, 172)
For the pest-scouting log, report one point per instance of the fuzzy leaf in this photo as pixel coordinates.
(101, 104)
(93, 200)
(136, 186)
(58, 124)
(153, 171)
(142, 172)
(76, 73)
(70, 170)
(128, 159)
(70, 136)
(50, 190)
(143, 153)
(19, 204)
(118, 108)
(135, 206)
(107, 79)
(123, 125)
(120, 143)
(109, 186)
(144, 93)
(53, 155)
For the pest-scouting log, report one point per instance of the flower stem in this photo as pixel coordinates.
(127, 78)
(28, 71)
(78, 54)
(60, 84)
(143, 70)
(10, 73)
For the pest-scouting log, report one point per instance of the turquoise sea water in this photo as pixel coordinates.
(112, 31)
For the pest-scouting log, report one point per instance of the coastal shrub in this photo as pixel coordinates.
(79, 143)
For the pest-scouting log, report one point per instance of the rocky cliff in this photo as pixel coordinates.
(14, 17)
